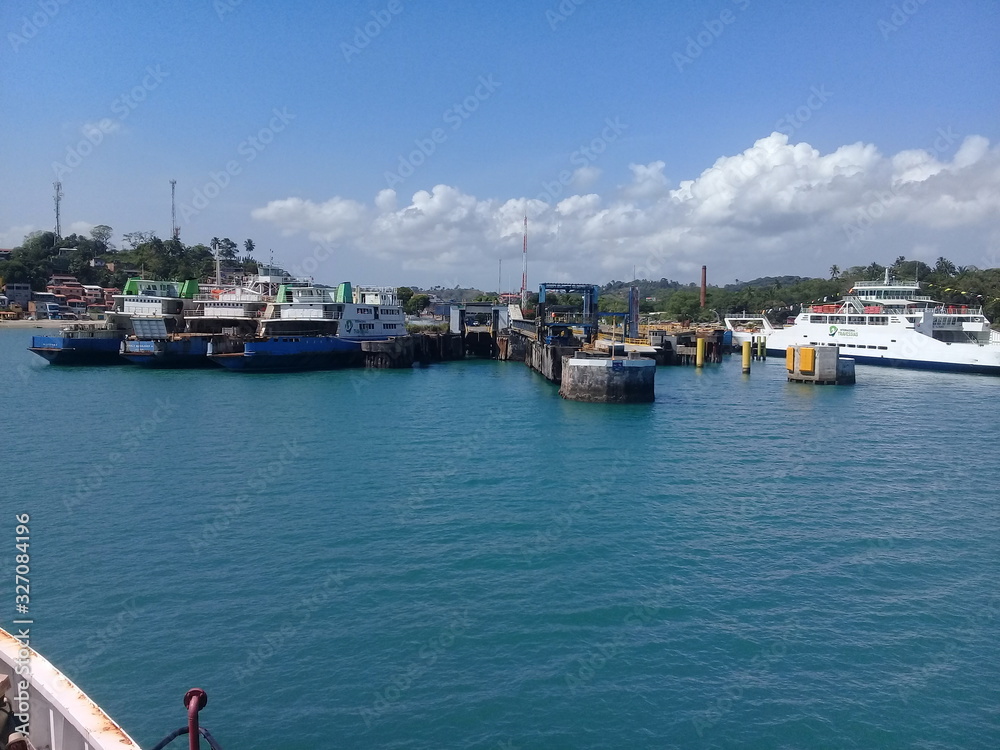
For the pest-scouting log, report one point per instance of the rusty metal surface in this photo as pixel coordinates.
(50, 688)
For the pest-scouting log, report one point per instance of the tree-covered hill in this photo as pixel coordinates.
(41, 255)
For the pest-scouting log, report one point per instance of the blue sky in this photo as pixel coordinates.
(757, 137)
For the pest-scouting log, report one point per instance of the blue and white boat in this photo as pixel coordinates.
(142, 302)
(81, 344)
(310, 327)
(887, 323)
(215, 313)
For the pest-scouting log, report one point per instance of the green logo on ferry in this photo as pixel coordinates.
(833, 330)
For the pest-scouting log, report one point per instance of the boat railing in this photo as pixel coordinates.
(957, 310)
(892, 283)
(324, 315)
(230, 297)
(199, 312)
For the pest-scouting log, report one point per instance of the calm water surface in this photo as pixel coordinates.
(455, 557)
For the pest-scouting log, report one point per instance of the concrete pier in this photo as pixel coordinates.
(819, 365)
(402, 352)
(547, 359)
(608, 381)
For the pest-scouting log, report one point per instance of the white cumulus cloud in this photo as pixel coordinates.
(776, 207)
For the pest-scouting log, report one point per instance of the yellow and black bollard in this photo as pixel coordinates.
(699, 360)
(746, 357)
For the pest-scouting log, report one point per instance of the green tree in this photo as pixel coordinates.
(135, 239)
(834, 272)
(945, 267)
(404, 294)
(101, 234)
(684, 305)
(227, 249)
(417, 304)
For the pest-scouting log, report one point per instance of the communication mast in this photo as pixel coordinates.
(175, 231)
(524, 267)
(58, 197)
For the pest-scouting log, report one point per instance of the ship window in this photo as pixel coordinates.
(856, 320)
(883, 347)
(872, 347)
(817, 318)
(838, 319)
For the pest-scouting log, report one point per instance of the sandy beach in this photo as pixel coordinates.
(34, 323)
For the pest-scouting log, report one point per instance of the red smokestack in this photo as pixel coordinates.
(704, 283)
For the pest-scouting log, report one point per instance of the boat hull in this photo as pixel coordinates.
(62, 350)
(292, 354)
(910, 364)
(182, 353)
(883, 346)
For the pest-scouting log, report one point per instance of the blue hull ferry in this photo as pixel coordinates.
(182, 351)
(288, 353)
(80, 347)
(307, 327)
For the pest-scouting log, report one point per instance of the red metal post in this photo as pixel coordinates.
(704, 284)
(195, 699)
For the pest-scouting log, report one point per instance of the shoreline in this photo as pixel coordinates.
(35, 323)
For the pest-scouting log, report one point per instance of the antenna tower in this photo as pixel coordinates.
(58, 197)
(524, 266)
(175, 231)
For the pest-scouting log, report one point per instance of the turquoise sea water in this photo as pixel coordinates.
(455, 557)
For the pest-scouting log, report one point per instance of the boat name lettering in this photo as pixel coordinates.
(837, 330)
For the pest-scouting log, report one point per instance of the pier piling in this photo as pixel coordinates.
(746, 357)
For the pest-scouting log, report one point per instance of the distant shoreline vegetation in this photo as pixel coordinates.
(95, 260)
(776, 296)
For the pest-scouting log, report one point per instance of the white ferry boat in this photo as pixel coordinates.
(309, 327)
(889, 323)
(216, 310)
